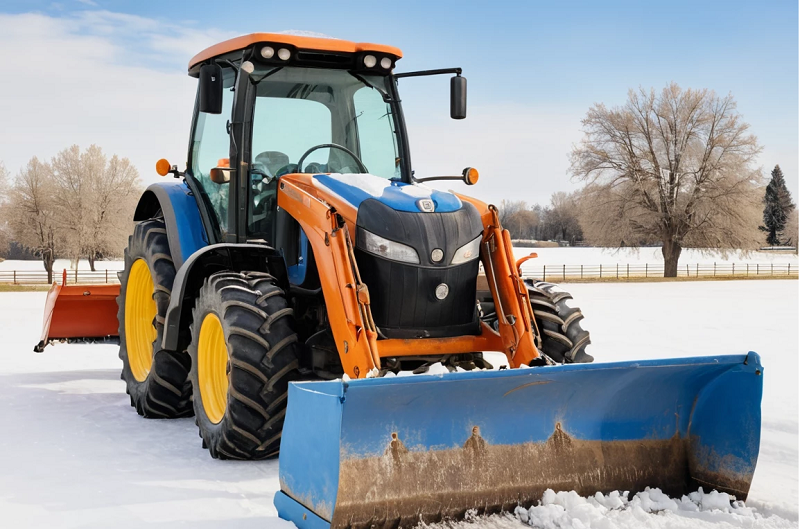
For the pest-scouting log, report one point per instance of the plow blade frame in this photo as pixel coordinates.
(393, 451)
(79, 312)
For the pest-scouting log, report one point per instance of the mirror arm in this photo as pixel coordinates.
(427, 178)
(421, 73)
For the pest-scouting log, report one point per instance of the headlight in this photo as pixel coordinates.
(385, 248)
(469, 251)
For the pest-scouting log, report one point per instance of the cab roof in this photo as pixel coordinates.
(299, 42)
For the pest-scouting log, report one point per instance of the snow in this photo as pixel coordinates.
(74, 454)
(611, 256)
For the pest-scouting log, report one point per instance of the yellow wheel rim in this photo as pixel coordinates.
(140, 313)
(212, 368)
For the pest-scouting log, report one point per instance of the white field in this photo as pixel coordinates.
(74, 454)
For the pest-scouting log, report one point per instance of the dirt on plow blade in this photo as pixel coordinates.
(79, 313)
(391, 452)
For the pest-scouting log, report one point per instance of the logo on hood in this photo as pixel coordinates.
(426, 205)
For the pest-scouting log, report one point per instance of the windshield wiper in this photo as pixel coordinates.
(276, 70)
(384, 94)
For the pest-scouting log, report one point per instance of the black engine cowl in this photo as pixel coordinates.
(403, 295)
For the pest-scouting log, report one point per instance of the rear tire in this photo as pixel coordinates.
(242, 324)
(563, 338)
(156, 380)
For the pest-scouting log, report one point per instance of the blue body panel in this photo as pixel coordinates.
(397, 195)
(703, 413)
(297, 273)
(185, 229)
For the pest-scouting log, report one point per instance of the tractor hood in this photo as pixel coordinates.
(412, 198)
(437, 230)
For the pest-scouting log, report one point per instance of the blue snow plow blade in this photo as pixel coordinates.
(394, 451)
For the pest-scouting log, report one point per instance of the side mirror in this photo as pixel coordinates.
(222, 173)
(458, 97)
(210, 93)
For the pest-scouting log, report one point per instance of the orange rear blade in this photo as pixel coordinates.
(79, 312)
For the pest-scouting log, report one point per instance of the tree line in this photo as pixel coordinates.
(674, 168)
(557, 221)
(79, 204)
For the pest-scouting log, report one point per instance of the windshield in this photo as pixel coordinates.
(347, 117)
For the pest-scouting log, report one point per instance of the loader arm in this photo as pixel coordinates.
(327, 221)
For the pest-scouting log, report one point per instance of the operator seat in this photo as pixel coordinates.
(265, 189)
(273, 161)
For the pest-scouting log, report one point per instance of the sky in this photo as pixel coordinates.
(113, 73)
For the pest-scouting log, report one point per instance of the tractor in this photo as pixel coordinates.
(282, 286)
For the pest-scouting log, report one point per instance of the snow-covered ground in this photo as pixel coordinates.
(606, 256)
(74, 454)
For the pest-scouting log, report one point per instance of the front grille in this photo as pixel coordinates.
(403, 300)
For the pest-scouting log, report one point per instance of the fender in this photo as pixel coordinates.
(185, 231)
(236, 257)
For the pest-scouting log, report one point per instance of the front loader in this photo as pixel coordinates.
(283, 285)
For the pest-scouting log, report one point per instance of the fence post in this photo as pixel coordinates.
(628, 271)
(544, 272)
(697, 270)
(106, 275)
(601, 271)
(756, 268)
(687, 269)
(617, 270)
(15, 277)
(748, 269)
(715, 269)
(645, 270)
(581, 271)
(76, 275)
(733, 269)
(564, 273)
(772, 269)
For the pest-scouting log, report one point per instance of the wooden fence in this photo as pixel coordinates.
(39, 277)
(530, 269)
(627, 271)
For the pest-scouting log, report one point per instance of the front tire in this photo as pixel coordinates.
(244, 354)
(563, 338)
(156, 380)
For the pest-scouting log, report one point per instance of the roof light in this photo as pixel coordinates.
(248, 67)
(386, 63)
(267, 52)
(370, 61)
(284, 54)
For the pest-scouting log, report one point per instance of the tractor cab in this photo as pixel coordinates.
(274, 104)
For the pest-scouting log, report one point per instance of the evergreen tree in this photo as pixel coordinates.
(777, 207)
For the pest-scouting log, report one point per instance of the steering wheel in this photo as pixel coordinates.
(361, 166)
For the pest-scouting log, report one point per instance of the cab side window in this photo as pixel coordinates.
(211, 148)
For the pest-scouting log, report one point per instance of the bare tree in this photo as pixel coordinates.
(673, 168)
(32, 213)
(518, 219)
(114, 194)
(5, 237)
(562, 217)
(97, 197)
